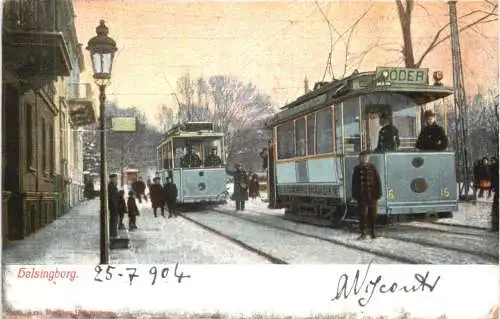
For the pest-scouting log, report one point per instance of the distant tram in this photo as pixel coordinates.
(200, 184)
(317, 139)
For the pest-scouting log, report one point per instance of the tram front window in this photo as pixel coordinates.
(195, 153)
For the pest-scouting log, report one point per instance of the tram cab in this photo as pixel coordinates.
(318, 137)
(196, 182)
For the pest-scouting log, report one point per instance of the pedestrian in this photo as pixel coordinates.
(157, 196)
(133, 211)
(366, 190)
(113, 206)
(171, 197)
(388, 136)
(254, 190)
(240, 192)
(122, 206)
(477, 176)
(485, 177)
(432, 137)
(494, 185)
(141, 190)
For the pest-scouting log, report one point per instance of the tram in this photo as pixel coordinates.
(195, 184)
(317, 139)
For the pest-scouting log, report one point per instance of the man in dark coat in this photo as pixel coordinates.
(213, 160)
(240, 194)
(494, 185)
(432, 137)
(477, 175)
(191, 159)
(113, 205)
(366, 190)
(157, 196)
(171, 197)
(140, 188)
(388, 136)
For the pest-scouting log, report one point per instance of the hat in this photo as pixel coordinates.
(156, 179)
(214, 148)
(384, 116)
(113, 175)
(429, 113)
(364, 153)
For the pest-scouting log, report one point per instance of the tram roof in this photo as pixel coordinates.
(364, 83)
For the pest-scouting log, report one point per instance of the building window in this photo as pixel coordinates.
(285, 141)
(311, 143)
(300, 137)
(324, 131)
(51, 149)
(44, 147)
(29, 136)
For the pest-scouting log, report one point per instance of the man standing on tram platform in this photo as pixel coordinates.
(191, 159)
(432, 137)
(388, 136)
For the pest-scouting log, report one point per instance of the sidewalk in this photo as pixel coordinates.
(74, 239)
(71, 239)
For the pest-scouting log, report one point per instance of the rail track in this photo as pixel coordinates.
(254, 250)
(491, 257)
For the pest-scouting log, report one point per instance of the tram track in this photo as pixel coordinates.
(387, 255)
(259, 252)
(487, 257)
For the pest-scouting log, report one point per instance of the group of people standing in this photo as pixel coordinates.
(483, 176)
(161, 195)
(246, 185)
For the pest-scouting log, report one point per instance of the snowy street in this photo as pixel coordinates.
(248, 237)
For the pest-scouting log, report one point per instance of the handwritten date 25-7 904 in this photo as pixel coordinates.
(107, 273)
(366, 290)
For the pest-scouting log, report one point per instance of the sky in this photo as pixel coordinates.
(273, 45)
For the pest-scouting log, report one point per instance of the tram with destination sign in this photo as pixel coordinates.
(318, 137)
(198, 179)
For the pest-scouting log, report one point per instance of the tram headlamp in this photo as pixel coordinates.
(438, 76)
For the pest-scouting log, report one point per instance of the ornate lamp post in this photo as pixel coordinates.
(102, 51)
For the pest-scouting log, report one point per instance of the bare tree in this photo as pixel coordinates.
(405, 13)
(235, 106)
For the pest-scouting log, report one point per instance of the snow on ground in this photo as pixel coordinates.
(425, 245)
(169, 240)
(292, 248)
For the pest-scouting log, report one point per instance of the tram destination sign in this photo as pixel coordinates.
(389, 76)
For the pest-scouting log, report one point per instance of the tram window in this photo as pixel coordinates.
(324, 131)
(169, 155)
(352, 133)
(338, 129)
(300, 137)
(311, 143)
(285, 141)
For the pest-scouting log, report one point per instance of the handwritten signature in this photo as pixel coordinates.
(366, 289)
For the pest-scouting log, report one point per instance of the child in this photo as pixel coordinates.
(133, 211)
(122, 208)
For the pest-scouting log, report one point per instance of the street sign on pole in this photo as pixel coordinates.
(124, 124)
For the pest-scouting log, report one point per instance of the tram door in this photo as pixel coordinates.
(371, 125)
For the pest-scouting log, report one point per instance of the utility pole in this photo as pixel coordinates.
(460, 108)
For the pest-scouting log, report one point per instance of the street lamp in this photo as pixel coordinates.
(102, 51)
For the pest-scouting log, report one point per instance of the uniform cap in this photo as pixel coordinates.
(429, 113)
(384, 116)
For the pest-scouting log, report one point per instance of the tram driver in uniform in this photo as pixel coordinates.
(213, 160)
(191, 159)
(388, 136)
(432, 137)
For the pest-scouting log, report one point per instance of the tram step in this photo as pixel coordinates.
(122, 241)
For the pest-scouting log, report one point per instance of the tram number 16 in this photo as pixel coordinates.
(445, 193)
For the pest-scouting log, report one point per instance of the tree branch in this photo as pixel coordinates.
(437, 41)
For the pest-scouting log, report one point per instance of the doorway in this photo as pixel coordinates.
(371, 126)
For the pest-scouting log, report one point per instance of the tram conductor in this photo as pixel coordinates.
(191, 159)
(213, 160)
(432, 137)
(388, 136)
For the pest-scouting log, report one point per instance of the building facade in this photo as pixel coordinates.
(42, 107)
